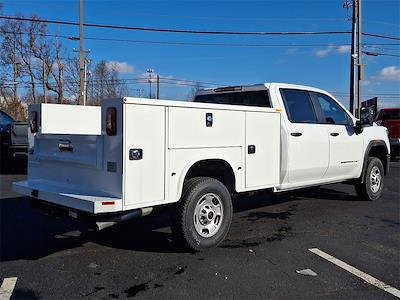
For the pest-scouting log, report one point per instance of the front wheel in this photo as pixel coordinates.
(204, 215)
(372, 186)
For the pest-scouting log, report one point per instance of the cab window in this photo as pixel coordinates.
(298, 106)
(248, 98)
(333, 113)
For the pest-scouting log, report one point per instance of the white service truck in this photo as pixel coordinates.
(120, 161)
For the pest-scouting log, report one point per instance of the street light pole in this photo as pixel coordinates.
(82, 75)
(150, 71)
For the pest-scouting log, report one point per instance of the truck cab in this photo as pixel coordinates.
(321, 142)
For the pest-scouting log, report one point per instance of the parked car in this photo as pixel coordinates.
(120, 161)
(13, 140)
(390, 118)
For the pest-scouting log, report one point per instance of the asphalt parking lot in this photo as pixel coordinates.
(269, 240)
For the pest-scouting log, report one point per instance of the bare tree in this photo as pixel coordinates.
(105, 83)
(37, 59)
(35, 65)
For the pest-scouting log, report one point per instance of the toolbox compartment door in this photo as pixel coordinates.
(262, 150)
(143, 155)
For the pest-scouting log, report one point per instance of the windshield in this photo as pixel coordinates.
(5, 119)
(390, 114)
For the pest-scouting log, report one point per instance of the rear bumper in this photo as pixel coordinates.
(69, 198)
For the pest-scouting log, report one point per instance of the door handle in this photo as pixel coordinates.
(296, 134)
(334, 134)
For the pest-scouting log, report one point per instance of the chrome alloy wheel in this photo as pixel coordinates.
(208, 215)
(375, 179)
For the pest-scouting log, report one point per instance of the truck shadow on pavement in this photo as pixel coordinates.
(29, 233)
(16, 167)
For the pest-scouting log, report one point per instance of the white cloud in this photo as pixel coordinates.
(332, 50)
(391, 73)
(343, 49)
(323, 52)
(121, 67)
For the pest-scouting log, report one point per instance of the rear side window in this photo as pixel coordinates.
(333, 112)
(298, 106)
(249, 98)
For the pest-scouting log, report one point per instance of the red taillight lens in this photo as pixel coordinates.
(111, 121)
(33, 122)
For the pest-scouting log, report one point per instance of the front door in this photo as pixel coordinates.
(308, 141)
(345, 145)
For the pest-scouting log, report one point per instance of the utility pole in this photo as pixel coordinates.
(44, 82)
(359, 57)
(82, 75)
(352, 52)
(150, 71)
(158, 86)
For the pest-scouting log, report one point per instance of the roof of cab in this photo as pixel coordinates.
(255, 87)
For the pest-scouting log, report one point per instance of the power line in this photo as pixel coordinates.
(381, 36)
(169, 30)
(380, 54)
(185, 82)
(138, 80)
(204, 44)
(191, 31)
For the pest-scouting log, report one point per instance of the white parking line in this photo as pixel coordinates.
(364, 276)
(7, 288)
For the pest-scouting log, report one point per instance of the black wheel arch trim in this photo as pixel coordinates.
(371, 145)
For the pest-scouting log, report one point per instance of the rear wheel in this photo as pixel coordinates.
(372, 186)
(204, 215)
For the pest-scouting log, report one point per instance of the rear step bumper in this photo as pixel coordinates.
(69, 198)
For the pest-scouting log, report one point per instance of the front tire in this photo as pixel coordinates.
(372, 186)
(204, 215)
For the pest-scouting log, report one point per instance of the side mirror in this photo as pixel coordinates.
(358, 128)
(366, 117)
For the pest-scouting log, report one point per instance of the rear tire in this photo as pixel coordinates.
(204, 215)
(373, 181)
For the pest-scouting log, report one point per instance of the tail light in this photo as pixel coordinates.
(111, 121)
(33, 121)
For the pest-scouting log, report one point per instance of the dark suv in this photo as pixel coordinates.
(13, 140)
(390, 118)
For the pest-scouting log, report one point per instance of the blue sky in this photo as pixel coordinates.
(326, 67)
